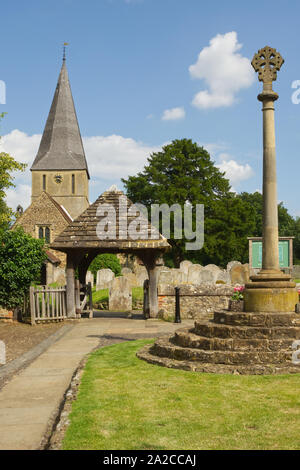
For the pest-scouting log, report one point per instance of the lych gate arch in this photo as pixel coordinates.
(81, 244)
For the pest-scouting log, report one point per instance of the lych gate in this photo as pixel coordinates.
(81, 243)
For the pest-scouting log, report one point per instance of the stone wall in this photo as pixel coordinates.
(44, 212)
(6, 315)
(196, 302)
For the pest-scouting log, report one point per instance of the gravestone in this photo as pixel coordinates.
(105, 278)
(126, 271)
(132, 279)
(89, 278)
(194, 274)
(239, 274)
(165, 276)
(231, 264)
(120, 297)
(184, 268)
(141, 275)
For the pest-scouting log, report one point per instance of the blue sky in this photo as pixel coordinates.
(136, 78)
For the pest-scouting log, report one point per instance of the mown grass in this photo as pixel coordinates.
(102, 294)
(125, 403)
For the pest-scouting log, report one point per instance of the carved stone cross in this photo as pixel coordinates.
(267, 62)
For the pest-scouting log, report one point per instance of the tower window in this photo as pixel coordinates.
(73, 184)
(44, 182)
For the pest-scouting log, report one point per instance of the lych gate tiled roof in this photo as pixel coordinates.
(81, 233)
(61, 145)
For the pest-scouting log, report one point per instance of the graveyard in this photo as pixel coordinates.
(150, 293)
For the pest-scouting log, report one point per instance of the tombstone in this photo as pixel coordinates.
(239, 274)
(2, 353)
(178, 276)
(120, 297)
(89, 278)
(141, 275)
(194, 274)
(184, 268)
(165, 276)
(132, 279)
(105, 278)
(231, 264)
(126, 271)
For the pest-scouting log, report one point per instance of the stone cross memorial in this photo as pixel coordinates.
(270, 290)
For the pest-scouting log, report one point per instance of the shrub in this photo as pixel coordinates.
(105, 261)
(21, 260)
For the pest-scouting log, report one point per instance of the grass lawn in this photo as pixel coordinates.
(99, 295)
(102, 294)
(125, 403)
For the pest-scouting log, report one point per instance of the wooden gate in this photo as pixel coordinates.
(47, 304)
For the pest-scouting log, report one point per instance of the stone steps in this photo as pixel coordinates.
(262, 320)
(185, 338)
(195, 366)
(164, 348)
(233, 342)
(211, 330)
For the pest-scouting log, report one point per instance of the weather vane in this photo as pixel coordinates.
(64, 50)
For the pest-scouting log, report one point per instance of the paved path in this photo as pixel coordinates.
(30, 401)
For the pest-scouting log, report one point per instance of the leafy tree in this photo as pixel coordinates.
(105, 261)
(21, 260)
(7, 165)
(286, 223)
(181, 173)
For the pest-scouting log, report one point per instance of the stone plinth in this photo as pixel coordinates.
(232, 343)
(270, 293)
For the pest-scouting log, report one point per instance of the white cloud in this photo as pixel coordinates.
(23, 148)
(115, 157)
(21, 194)
(173, 114)
(224, 70)
(234, 171)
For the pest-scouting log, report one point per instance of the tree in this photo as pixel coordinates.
(181, 173)
(286, 223)
(105, 261)
(7, 165)
(21, 260)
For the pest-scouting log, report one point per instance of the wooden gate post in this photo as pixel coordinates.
(71, 311)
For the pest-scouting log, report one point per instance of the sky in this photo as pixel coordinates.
(145, 72)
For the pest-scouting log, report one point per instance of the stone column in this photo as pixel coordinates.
(71, 310)
(270, 290)
(270, 255)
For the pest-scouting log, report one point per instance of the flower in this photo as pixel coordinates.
(238, 293)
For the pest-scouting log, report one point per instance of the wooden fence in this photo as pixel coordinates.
(47, 304)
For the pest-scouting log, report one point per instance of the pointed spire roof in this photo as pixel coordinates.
(61, 146)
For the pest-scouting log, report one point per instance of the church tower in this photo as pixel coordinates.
(60, 167)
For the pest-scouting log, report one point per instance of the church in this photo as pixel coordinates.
(60, 179)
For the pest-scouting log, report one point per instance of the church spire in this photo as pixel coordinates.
(61, 145)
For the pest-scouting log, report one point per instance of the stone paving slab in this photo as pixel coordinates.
(30, 401)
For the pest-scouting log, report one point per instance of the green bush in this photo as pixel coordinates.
(21, 260)
(105, 261)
